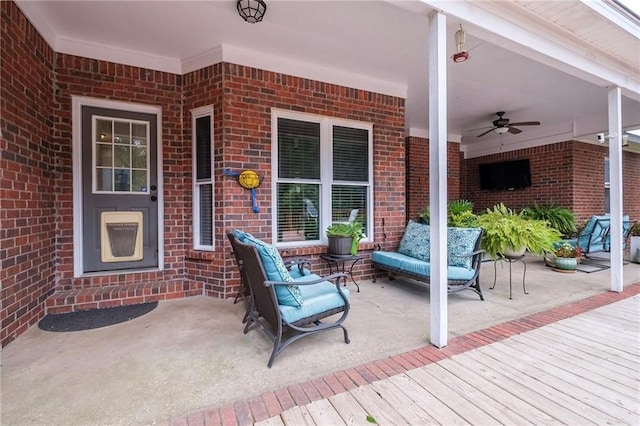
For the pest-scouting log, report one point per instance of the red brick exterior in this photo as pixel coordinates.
(568, 174)
(28, 173)
(36, 193)
(417, 166)
(243, 98)
(37, 171)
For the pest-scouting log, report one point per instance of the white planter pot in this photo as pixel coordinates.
(510, 252)
(635, 249)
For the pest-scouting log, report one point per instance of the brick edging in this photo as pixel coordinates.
(273, 403)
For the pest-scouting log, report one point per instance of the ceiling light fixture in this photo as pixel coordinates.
(461, 55)
(252, 11)
(501, 130)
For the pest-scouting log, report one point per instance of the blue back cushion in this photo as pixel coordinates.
(596, 227)
(276, 270)
(460, 245)
(415, 241)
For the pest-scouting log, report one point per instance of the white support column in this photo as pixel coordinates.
(438, 176)
(615, 191)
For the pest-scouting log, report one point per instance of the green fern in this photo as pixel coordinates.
(559, 218)
(506, 229)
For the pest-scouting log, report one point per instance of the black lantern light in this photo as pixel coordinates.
(252, 11)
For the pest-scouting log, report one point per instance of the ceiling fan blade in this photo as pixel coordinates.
(514, 131)
(526, 123)
(488, 131)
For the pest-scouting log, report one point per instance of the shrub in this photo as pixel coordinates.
(559, 218)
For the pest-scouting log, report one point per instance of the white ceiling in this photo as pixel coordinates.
(370, 44)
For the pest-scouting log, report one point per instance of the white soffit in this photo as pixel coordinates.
(528, 32)
(289, 66)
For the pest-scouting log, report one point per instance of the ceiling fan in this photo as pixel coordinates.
(502, 125)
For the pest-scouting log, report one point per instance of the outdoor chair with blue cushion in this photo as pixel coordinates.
(412, 257)
(595, 236)
(283, 300)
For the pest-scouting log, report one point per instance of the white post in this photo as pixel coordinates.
(615, 191)
(438, 175)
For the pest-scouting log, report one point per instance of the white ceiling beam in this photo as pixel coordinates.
(504, 25)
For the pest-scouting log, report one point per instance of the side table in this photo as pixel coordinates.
(340, 263)
(510, 260)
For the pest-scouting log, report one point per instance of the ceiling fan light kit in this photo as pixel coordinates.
(502, 125)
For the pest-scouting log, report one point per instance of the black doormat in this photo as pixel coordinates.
(94, 318)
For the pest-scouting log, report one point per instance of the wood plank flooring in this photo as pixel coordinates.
(584, 370)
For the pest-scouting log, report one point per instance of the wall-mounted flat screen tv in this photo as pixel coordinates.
(506, 175)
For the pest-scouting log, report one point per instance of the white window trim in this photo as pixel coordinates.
(195, 191)
(326, 172)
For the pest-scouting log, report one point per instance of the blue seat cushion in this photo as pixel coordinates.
(460, 244)
(417, 267)
(318, 298)
(276, 270)
(415, 241)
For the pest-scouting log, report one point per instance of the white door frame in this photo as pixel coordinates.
(77, 102)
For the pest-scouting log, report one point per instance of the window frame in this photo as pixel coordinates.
(197, 113)
(326, 173)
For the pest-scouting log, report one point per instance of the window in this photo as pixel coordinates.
(202, 129)
(322, 174)
(120, 156)
(607, 186)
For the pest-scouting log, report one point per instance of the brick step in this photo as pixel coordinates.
(62, 301)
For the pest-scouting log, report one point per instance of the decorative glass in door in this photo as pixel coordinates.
(121, 156)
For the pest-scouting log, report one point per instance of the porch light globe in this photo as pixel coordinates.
(251, 11)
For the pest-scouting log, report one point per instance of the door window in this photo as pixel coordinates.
(120, 155)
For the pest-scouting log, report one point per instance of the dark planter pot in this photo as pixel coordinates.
(340, 246)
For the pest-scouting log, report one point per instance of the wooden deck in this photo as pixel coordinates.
(578, 371)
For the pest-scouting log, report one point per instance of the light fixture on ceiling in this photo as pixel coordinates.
(501, 130)
(252, 11)
(461, 55)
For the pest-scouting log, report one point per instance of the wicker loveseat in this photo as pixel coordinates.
(411, 258)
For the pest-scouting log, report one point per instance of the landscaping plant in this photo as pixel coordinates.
(507, 230)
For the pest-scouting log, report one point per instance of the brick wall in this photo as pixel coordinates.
(568, 174)
(27, 174)
(417, 166)
(215, 270)
(105, 80)
(243, 98)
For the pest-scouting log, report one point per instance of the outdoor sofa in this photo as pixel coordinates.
(412, 257)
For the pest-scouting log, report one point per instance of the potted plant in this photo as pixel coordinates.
(635, 243)
(344, 238)
(459, 214)
(509, 233)
(559, 218)
(567, 256)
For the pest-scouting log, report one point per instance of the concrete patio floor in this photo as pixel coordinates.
(190, 355)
